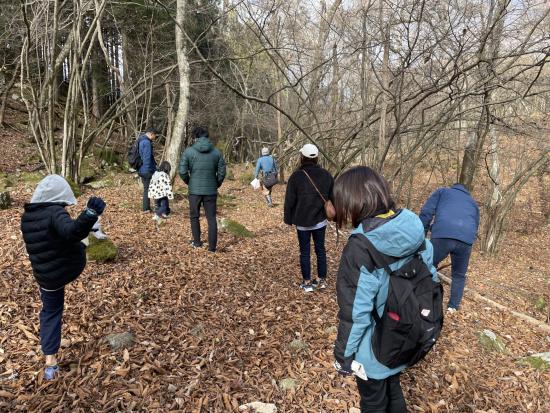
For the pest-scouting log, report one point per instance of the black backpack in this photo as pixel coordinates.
(413, 314)
(134, 158)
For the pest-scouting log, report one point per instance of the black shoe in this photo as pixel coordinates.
(195, 245)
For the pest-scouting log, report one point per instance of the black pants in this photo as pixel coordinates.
(146, 180)
(162, 206)
(304, 239)
(50, 320)
(209, 204)
(381, 396)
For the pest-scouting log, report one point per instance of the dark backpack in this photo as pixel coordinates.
(413, 314)
(134, 158)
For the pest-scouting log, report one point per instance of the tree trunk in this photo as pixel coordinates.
(173, 145)
(6, 93)
(381, 144)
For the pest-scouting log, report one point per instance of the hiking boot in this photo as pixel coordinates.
(322, 283)
(307, 287)
(51, 372)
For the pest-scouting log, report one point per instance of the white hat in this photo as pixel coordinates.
(265, 151)
(309, 151)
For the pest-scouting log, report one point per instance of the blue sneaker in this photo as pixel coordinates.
(51, 373)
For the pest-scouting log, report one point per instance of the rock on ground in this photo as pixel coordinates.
(118, 341)
(491, 342)
(539, 361)
(258, 407)
(5, 200)
(288, 384)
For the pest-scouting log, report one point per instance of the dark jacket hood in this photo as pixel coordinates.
(203, 145)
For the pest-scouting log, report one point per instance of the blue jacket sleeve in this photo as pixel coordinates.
(258, 167)
(356, 291)
(428, 210)
(146, 154)
(184, 168)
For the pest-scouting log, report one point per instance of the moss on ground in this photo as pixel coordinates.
(101, 250)
(540, 304)
(538, 361)
(235, 228)
(76, 188)
(227, 201)
(5, 182)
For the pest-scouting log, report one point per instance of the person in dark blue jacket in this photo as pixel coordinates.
(452, 216)
(362, 198)
(149, 165)
(57, 255)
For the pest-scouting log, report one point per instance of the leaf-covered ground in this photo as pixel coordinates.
(213, 331)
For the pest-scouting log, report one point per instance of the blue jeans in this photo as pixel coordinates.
(50, 320)
(162, 206)
(460, 257)
(304, 238)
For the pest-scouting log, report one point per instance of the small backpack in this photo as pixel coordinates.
(134, 158)
(413, 314)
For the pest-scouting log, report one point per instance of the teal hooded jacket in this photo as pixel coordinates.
(362, 288)
(202, 167)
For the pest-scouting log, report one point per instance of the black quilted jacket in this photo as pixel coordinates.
(53, 242)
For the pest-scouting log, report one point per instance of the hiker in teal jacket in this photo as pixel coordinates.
(202, 167)
(362, 198)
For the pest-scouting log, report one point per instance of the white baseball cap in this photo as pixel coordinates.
(309, 151)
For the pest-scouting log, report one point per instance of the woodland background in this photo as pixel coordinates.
(428, 92)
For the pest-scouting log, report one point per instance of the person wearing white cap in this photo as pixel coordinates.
(308, 190)
(267, 165)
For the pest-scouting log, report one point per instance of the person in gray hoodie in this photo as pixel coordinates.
(203, 169)
(57, 255)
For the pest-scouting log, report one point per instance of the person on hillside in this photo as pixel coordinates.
(160, 190)
(452, 217)
(149, 165)
(57, 255)
(203, 169)
(362, 198)
(309, 187)
(267, 165)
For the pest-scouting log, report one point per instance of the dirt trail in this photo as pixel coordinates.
(214, 330)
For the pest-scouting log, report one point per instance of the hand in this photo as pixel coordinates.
(344, 371)
(96, 205)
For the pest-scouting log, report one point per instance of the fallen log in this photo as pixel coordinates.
(478, 297)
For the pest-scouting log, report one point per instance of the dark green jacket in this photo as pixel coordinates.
(202, 167)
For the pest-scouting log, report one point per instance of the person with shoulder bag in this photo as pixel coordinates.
(267, 165)
(308, 206)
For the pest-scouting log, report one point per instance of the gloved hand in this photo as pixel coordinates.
(96, 205)
(344, 371)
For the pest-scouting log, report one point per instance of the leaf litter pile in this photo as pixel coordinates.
(210, 332)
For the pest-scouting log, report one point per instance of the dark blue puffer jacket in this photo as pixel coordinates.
(454, 213)
(149, 165)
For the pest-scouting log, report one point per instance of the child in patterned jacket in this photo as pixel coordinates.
(160, 190)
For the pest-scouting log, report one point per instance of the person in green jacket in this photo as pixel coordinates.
(202, 168)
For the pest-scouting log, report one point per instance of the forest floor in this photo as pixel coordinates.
(213, 331)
